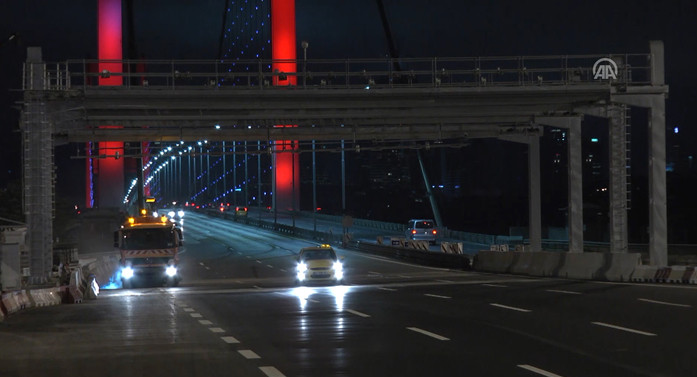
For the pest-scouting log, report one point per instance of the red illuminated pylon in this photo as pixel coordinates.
(110, 179)
(283, 53)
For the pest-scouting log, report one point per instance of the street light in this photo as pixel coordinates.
(304, 45)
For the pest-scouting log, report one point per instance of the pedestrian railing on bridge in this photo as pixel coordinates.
(609, 69)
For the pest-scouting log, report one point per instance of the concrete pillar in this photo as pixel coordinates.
(572, 125)
(535, 203)
(575, 179)
(619, 242)
(658, 227)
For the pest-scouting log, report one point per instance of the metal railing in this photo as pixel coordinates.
(632, 69)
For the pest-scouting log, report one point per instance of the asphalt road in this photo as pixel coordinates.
(238, 313)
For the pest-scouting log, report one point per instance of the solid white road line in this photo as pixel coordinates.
(357, 313)
(272, 372)
(495, 285)
(216, 329)
(428, 333)
(436, 296)
(565, 292)
(249, 354)
(196, 315)
(387, 289)
(510, 308)
(665, 303)
(229, 339)
(374, 273)
(205, 322)
(623, 328)
(444, 281)
(538, 370)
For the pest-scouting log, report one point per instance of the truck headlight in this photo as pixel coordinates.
(171, 271)
(127, 273)
(302, 267)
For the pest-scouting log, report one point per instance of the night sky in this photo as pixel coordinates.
(190, 29)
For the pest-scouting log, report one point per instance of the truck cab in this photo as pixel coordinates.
(149, 249)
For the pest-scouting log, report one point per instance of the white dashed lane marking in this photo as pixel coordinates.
(269, 266)
(216, 329)
(436, 296)
(229, 339)
(427, 333)
(188, 310)
(358, 313)
(627, 329)
(510, 308)
(664, 303)
(539, 371)
(205, 322)
(249, 354)
(272, 372)
(196, 315)
(564, 292)
(387, 289)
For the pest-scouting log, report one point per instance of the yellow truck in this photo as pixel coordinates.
(149, 248)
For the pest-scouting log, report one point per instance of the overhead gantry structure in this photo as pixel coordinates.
(433, 100)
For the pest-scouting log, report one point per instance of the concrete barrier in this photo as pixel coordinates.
(522, 263)
(644, 274)
(662, 275)
(11, 302)
(582, 265)
(677, 274)
(418, 245)
(619, 266)
(494, 261)
(545, 263)
(692, 279)
(451, 247)
(589, 266)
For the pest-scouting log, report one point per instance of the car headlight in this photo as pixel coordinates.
(170, 214)
(171, 271)
(127, 273)
(154, 214)
(180, 213)
(302, 267)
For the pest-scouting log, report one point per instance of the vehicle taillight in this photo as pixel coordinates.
(413, 231)
(222, 209)
(434, 232)
(237, 208)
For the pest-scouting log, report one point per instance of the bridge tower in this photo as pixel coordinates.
(105, 176)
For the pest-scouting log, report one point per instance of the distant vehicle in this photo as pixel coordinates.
(319, 263)
(240, 211)
(422, 230)
(149, 250)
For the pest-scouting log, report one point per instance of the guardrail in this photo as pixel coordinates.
(632, 69)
